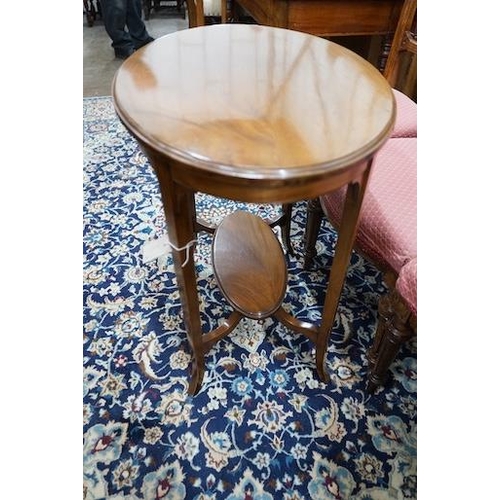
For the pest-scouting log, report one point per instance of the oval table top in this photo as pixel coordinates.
(254, 102)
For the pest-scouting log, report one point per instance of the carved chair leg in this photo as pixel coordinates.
(384, 319)
(384, 52)
(313, 223)
(392, 331)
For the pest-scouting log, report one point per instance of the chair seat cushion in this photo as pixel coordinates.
(406, 116)
(406, 284)
(387, 231)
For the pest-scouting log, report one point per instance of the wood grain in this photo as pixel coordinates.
(249, 265)
(254, 101)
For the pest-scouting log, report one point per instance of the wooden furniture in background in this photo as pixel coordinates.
(169, 7)
(254, 114)
(197, 15)
(401, 66)
(92, 9)
(329, 18)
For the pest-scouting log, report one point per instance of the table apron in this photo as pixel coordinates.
(265, 190)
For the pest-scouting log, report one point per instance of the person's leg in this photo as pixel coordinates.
(135, 24)
(114, 13)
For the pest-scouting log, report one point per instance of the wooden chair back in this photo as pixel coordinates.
(401, 67)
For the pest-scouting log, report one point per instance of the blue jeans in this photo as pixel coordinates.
(123, 23)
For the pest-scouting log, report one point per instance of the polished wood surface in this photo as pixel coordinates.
(254, 103)
(327, 17)
(249, 265)
(254, 114)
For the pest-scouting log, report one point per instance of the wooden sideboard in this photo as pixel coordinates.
(329, 18)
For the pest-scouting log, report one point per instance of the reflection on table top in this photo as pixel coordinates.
(254, 101)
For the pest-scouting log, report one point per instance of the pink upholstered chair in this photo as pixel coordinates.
(387, 236)
(387, 231)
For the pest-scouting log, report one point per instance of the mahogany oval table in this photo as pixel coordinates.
(254, 114)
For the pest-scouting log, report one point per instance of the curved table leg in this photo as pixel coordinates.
(227, 326)
(180, 215)
(307, 329)
(338, 270)
(310, 331)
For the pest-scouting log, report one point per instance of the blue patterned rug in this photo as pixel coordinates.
(263, 426)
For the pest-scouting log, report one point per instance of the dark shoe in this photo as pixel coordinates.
(144, 42)
(123, 53)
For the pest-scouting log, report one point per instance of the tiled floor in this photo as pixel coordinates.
(99, 63)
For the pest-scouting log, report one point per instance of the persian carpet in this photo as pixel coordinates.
(263, 426)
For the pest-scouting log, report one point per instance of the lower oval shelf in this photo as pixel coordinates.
(249, 265)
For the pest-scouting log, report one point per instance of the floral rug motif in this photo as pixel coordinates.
(263, 426)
